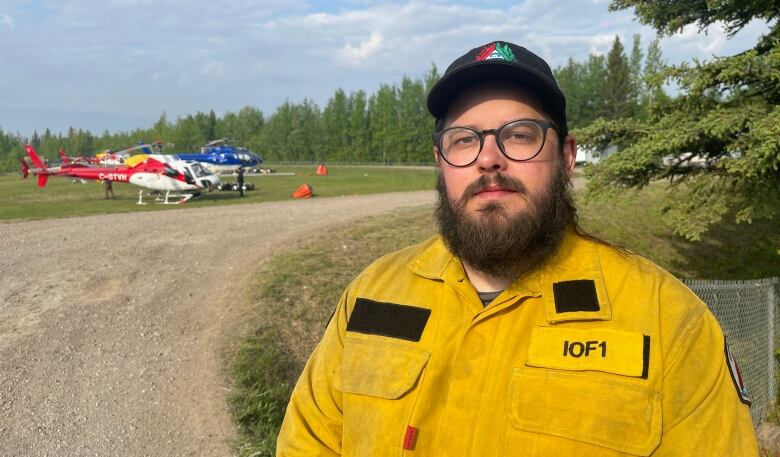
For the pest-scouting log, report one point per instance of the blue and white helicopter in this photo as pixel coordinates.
(220, 157)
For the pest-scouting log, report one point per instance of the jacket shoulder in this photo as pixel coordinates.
(628, 268)
(638, 288)
(401, 259)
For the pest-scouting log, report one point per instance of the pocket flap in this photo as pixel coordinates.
(613, 413)
(380, 368)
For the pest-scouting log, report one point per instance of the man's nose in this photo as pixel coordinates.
(491, 158)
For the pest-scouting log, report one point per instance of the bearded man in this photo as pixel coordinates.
(512, 332)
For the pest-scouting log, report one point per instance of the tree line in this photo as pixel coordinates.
(390, 125)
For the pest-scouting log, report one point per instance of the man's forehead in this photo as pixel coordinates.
(478, 94)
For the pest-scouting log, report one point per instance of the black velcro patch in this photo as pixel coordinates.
(578, 295)
(388, 319)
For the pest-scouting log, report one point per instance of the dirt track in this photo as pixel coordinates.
(111, 326)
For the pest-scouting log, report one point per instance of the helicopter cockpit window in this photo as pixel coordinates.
(199, 171)
(188, 176)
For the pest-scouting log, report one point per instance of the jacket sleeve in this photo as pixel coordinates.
(313, 421)
(702, 410)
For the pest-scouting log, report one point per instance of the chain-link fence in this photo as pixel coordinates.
(749, 312)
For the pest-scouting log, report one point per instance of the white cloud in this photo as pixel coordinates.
(712, 42)
(355, 55)
(706, 42)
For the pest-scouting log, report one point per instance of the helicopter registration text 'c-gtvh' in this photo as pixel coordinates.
(154, 172)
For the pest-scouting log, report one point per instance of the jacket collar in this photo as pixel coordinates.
(570, 282)
(437, 262)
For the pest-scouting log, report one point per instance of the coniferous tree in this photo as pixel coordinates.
(635, 68)
(618, 95)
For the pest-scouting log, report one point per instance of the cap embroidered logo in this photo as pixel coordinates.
(496, 51)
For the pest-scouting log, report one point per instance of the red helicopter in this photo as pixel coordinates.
(158, 172)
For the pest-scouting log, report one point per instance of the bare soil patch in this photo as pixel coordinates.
(111, 326)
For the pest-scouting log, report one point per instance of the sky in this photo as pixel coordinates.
(117, 65)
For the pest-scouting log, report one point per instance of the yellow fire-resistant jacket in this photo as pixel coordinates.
(597, 353)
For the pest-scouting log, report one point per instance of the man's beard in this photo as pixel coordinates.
(501, 244)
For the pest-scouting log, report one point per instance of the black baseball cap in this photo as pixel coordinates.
(500, 61)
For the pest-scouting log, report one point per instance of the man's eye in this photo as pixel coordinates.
(464, 140)
(521, 137)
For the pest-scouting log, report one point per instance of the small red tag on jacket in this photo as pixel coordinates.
(410, 437)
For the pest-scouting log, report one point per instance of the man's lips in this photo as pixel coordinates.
(494, 192)
(486, 188)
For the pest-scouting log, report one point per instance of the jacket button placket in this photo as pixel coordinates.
(466, 389)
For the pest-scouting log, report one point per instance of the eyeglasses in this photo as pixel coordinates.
(518, 140)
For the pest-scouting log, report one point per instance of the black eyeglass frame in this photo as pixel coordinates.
(543, 123)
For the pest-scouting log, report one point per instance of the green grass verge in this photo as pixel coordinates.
(296, 291)
(23, 199)
(262, 388)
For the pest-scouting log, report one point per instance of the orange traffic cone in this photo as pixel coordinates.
(303, 191)
(322, 170)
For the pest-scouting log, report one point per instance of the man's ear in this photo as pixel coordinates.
(569, 154)
(436, 156)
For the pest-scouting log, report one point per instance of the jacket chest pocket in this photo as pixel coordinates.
(380, 369)
(378, 379)
(585, 409)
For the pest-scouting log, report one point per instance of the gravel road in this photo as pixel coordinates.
(111, 326)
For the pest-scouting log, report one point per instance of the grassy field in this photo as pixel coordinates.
(23, 199)
(295, 292)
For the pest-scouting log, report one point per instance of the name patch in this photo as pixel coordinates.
(610, 351)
